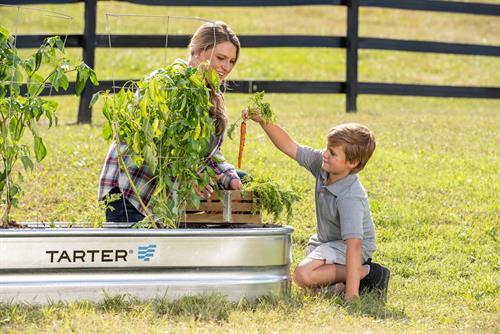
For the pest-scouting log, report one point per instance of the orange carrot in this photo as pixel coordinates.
(243, 132)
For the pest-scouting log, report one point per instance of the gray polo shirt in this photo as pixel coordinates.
(342, 209)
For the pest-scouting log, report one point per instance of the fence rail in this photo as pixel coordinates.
(89, 41)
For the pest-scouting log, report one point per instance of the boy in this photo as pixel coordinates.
(342, 248)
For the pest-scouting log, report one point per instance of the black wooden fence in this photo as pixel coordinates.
(89, 41)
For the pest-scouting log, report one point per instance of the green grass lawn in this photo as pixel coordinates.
(433, 182)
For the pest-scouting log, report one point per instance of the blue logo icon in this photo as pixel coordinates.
(146, 252)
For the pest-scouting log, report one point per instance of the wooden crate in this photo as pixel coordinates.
(234, 207)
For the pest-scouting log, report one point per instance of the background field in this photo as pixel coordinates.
(433, 181)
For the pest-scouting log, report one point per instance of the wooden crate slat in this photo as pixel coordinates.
(217, 218)
(212, 210)
(236, 195)
(214, 206)
(242, 218)
(204, 218)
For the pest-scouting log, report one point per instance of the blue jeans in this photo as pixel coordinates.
(241, 174)
(122, 211)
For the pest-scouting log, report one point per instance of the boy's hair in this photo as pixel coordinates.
(356, 139)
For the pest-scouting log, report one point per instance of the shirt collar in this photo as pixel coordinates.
(338, 187)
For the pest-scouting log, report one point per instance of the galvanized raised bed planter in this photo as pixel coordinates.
(41, 264)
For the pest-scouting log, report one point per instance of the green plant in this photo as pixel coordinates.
(256, 105)
(164, 121)
(19, 112)
(271, 196)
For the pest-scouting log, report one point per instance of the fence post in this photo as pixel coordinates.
(89, 37)
(352, 55)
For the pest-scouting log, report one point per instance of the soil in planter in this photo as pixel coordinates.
(205, 225)
(225, 225)
(209, 225)
(13, 224)
(125, 225)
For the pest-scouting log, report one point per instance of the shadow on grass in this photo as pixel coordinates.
(371, 305)
(204, 308)
(213, 307)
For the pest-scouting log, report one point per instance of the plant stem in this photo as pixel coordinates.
(125, 169)
(5, 214)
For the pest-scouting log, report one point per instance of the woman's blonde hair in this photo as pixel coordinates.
(205, 38)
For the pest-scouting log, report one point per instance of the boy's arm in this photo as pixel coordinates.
(280, 138)
(353, 268)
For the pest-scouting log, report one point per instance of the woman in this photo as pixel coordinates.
(215, 43)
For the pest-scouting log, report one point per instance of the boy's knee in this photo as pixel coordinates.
(302, 278)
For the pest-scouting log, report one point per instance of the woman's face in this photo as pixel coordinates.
(222, 58)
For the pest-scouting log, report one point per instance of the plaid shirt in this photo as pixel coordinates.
(113, 177)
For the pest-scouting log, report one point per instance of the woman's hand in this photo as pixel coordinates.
(206, 192)
(235, 184)
(256, 116)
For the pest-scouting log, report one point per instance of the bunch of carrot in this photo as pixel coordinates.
(256, 106)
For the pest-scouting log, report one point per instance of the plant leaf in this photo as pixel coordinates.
(59, 43)
(81, 78)
(149, 155)
(16, 128)
(148, 130)
(27, 163)
(40, 150)
(231, 130)
(36, 85)
(38, 59)
(107, 131)
(63, 81)
(29, 65)
(94, 99)
(93, 77)
(55, 79)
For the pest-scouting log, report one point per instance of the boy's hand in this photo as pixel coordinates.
(350, 296)
(353, 268)
(256, 116)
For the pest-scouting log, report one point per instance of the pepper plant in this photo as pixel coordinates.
(164, 121)
(20, 111)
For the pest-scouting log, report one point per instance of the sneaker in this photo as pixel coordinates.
(377, 280)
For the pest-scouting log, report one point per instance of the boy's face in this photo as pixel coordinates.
(334, 161)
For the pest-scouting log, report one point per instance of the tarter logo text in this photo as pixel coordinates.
(91, 255)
